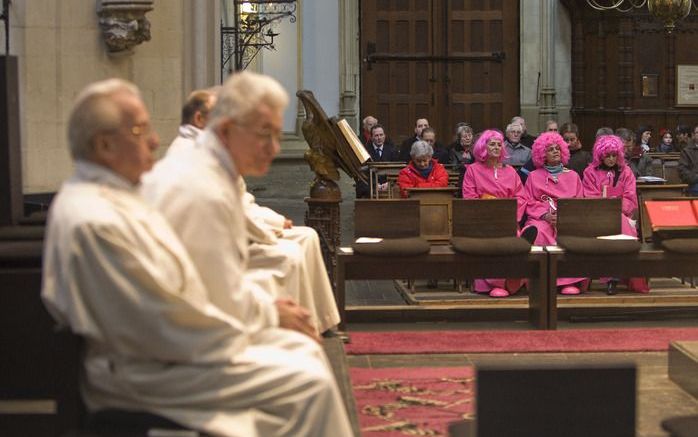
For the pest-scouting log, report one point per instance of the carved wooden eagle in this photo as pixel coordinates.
(328, 149)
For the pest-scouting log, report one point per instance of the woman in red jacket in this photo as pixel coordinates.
(423, 171)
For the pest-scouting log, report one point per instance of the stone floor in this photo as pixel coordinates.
(658, 397)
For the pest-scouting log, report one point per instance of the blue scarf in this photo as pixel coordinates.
(554, 170)
(425, 172)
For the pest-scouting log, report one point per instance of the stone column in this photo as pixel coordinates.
(349, 61)
(201, 44)
(548, 18)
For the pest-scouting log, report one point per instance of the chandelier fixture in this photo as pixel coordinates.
(669, 11)
(252, 30)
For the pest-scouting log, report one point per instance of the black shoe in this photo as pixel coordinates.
(529, 234)
(611, 287)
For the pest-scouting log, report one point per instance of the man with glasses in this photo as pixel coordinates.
(200, 194)
(517, 153)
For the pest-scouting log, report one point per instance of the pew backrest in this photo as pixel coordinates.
(386, 218)
(589, 217)
(484, 218)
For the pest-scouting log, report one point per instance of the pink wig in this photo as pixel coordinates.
(606, 145)
(480, 148)
(545, 140)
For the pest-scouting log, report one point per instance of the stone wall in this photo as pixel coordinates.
(60, 50)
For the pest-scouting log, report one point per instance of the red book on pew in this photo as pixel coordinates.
(672, 213)
(673, 218)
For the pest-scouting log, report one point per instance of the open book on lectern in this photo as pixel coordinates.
(359, 150)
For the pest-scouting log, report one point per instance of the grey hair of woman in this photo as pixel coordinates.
(462, 130)
(421, 148)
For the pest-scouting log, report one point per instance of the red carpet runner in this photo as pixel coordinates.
(577, 340)
(416, 401)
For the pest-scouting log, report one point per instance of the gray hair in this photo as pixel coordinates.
(625, 134)
(511, 126)
(95, 111)
(463, 129)
(243, 93)
(604, 131)
(421, 148)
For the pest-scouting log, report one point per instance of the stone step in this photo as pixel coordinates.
(683, 365)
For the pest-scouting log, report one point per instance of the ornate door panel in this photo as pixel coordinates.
(448, 61)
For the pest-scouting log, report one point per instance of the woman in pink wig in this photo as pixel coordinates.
(549, 182)
(609, 176)
(489, 178)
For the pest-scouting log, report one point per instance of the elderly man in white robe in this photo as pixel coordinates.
(284, 260)
(116, 273)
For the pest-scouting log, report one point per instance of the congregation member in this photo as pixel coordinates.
(517, 153)
(605, 130)
(551, 126)
(666, 141)
(490, 178)
(406, 146)
(526, 138)
(194, 117)
(639, 162)
(367, 124)
(683, 137)
(609, 176)
(284, 260)
(380, 151)
(155, 340)
(423, 171)
(550, 181)
(688, 165)
(440, 152)
(644, 135)
(579, 159)
(461, 151)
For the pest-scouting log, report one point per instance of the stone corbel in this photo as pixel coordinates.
(123, 23)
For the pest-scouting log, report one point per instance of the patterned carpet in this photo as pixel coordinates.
(422, 401)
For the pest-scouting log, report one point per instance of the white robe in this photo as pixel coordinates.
(118, 276)
(282, 262)
(292, 261)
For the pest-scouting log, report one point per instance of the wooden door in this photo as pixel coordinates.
(448, 61)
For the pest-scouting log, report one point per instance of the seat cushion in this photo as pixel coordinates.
(595, 246)
(681, 245)
(393, 247)
(681, 426)
(490, 246)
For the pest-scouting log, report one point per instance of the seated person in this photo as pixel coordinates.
(440, 152)
(423, 171)
(549, 182)
(406, 146)
(579, 159)
(116, 273)
(490, 178)
(608, 176)
(666, 141)
(381, 151)
(460, 153)
(639, 162)
(516, 152)
(688, 164)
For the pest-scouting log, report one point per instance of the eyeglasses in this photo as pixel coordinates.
(141, 130)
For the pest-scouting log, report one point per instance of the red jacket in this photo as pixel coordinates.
(410, 177)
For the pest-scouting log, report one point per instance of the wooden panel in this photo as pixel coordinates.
(610, 53)
(435, 211)
(386, 218)
(484, 218)
(589, 217)
(397, 92)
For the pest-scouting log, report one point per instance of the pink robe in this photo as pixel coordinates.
(481, 182)
(541, 193)
(597, 180)
(599, 183)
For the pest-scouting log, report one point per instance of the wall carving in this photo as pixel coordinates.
(124, 24)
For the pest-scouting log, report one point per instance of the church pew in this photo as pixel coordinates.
(383, 220)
